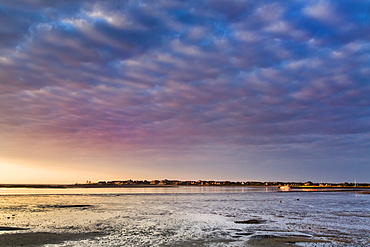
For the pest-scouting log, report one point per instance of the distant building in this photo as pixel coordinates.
(308, 183)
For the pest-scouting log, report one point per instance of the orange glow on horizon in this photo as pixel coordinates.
(15, 173)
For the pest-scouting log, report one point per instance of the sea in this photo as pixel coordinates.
(187, 215)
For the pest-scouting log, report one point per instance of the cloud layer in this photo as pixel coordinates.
(283, 81)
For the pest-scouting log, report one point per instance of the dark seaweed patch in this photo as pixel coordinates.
(252, 221)
(7, 228)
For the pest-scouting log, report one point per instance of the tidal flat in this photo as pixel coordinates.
(182, 216)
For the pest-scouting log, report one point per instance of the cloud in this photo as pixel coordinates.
(171, 75)
(322, 11)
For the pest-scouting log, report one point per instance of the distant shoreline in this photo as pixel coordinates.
(292, 188)
(68, 186)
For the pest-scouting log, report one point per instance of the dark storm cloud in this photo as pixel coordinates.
(233, 73)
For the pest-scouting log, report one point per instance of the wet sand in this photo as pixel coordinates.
(41, 238)
(281, 241)
(255, 241)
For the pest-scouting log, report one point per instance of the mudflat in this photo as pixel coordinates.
(40, 238)
(281, 241)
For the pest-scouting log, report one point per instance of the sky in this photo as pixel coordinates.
(204, 89)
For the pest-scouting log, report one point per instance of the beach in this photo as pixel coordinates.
(194, 216)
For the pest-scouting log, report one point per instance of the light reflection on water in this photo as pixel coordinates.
(173, 216)
(135, 190)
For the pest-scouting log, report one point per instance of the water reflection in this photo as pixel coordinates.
(136, 190)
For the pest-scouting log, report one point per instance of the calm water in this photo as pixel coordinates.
(188, 216)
